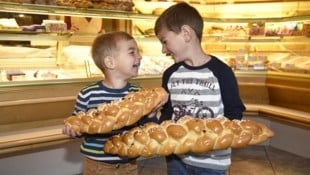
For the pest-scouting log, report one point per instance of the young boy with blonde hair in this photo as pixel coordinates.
(117, 55)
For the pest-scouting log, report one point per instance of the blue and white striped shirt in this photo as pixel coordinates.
(89, 98)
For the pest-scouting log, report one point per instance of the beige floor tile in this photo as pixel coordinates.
(250, 167)
(285, 163)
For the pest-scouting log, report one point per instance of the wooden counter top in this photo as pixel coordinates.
(32, 139)
(24, 137)
(280, 113)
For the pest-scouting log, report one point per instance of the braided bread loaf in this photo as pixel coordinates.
(117, 114)
(188, 135)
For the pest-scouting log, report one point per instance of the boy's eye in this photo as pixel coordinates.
(132, 52)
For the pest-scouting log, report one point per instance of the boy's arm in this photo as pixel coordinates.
(166, 112)
(233, 105)
(149, 118)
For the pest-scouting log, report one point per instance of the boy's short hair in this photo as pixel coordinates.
(107, 45)
(177, 15)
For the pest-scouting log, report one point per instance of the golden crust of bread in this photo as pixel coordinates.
(120, 113)
(188, 135)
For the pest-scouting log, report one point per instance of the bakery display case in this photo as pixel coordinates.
(272, 36)
(51, 51)
(43, 66)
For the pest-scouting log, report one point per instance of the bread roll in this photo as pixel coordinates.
(120, 113)
(188, 135)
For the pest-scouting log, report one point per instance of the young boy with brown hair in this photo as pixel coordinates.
(199, 84)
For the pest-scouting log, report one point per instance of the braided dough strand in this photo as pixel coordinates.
(188, 135)
(117, 114)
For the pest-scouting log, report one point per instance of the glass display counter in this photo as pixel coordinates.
(274, 41)
(43, 70)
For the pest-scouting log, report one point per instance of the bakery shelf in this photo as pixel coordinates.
(30, 36)
(70, 11)
(257, 38)
(35, 83)
(114, 14)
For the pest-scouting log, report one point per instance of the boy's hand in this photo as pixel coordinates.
(164, 101)
(158, 107)
(70, 132)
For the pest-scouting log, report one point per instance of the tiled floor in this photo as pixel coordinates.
(254, 160)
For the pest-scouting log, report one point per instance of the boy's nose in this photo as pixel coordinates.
(163, 49)
(139, 56)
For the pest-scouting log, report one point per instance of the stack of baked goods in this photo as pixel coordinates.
(44, 2)
(125, 5)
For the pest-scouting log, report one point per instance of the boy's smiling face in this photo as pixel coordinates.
(173, 44)
(128, 58)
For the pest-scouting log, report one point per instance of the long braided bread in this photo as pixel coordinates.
(117, 114)
(187, 135)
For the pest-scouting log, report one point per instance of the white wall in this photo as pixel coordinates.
(61, 160)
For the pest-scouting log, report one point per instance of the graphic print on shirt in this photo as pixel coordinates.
(193, 108)
(195, 93)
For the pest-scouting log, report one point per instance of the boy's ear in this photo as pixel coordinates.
(108, 62)
(187, 32)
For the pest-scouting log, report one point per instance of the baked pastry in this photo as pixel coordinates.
(188, 135)
(120, 113)
(125, 5)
